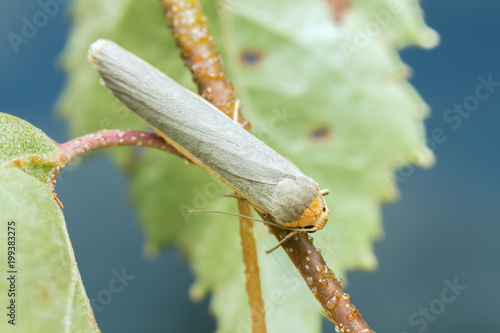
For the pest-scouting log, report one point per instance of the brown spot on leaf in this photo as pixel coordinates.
(338, 8)
(251, 57)
(320, 134)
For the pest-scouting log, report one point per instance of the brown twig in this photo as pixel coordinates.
(252, 273)
(190, 30)
(322, 282)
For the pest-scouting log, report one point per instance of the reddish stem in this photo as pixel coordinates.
(107, 138)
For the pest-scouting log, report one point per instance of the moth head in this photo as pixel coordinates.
(314, 217)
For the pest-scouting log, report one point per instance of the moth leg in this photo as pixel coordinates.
(57, 199)
(234, 195)
(324, 192)
(236, 111)
(287, 237)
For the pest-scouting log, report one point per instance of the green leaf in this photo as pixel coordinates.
(331, 97)
(29, 147)
(47, 288)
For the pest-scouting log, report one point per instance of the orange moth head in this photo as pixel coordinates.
(314, 217)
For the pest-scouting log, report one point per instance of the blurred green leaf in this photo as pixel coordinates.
(49, 295)
(331, 97)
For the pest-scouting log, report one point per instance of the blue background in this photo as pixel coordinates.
(445, 225)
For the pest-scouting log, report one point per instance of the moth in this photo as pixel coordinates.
(274, 186)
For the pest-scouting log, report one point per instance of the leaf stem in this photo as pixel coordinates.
(252, 273)
(104, 139)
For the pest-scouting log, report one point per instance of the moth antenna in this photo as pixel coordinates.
(287, 237)
(246, 217)
(323, 193)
